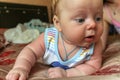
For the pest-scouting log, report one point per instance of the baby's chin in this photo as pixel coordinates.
(85, 45)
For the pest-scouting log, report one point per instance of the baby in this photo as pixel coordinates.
(73, 46)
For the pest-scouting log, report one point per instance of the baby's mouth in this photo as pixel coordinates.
(89, 38)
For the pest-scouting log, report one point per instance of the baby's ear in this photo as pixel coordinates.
(56, 22)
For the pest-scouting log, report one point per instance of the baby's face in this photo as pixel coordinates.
(81, 21)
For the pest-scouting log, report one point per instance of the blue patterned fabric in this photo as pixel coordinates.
(52, 56)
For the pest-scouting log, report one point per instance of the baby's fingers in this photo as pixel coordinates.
(12, 76)
(22, 77)
(17, 74)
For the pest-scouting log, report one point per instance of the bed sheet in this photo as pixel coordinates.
(110, 69)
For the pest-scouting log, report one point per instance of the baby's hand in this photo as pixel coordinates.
(17, 74)
(56, 72)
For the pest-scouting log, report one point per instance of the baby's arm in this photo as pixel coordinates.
(26, 60)
(90, 66)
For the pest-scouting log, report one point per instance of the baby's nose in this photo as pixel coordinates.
(92, 24)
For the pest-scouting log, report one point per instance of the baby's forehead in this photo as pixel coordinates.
(74, 4)
(80, 6)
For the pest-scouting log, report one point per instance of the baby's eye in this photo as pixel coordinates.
(98, 19)
(80, 20)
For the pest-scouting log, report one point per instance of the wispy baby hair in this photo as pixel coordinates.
(55, 6)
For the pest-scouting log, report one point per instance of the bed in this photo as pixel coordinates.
(110, 69)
